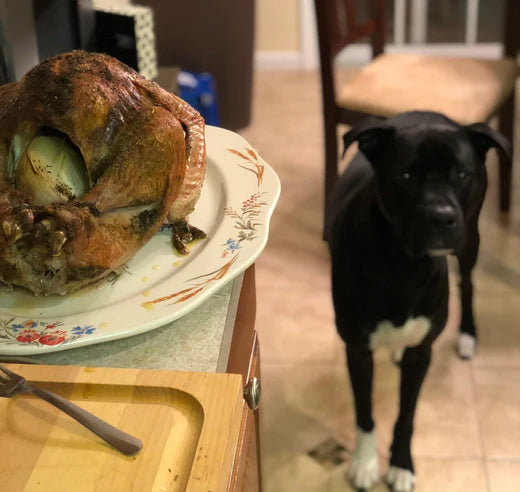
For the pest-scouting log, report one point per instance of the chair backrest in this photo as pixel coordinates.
(338, 26)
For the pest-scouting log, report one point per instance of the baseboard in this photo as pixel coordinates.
(360, 54)
(278, 60)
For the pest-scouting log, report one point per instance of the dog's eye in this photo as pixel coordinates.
(462, 174)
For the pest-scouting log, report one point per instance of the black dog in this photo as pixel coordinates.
(411, 196)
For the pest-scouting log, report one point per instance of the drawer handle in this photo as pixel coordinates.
(252, 393)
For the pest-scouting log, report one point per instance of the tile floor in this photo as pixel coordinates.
(467, 434)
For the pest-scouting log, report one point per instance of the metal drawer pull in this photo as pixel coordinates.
(252, 393)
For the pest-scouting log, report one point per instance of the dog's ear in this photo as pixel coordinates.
(483, 138)
(372, 136)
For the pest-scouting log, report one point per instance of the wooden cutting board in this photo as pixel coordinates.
(189, 424)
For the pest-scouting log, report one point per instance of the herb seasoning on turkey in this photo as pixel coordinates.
(93, 160)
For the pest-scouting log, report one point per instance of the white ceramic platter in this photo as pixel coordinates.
(239, 195)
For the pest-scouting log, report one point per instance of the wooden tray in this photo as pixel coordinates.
(189, 424)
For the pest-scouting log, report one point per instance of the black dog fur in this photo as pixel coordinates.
(411, 196)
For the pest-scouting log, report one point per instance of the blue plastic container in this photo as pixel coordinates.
(199, 90)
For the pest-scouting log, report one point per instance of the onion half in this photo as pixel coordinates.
(51, 171)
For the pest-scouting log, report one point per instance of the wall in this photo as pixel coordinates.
(277, 36)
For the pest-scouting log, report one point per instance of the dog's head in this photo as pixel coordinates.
(429, 175)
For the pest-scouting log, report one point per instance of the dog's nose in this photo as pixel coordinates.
(443, 216)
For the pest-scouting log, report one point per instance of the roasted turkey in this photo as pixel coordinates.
(93, 160)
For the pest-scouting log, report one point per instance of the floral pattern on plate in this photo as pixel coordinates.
(40, 333)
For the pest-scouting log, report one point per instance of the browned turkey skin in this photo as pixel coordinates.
(144, 154)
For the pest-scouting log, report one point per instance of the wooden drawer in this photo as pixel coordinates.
(247, 472)
(245, 360)
(244, 330)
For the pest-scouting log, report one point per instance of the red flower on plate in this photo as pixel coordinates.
(27, 336)
(53, 338)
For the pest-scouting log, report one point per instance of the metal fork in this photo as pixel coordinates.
(12, 384)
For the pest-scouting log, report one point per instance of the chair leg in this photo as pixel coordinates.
(506, 127)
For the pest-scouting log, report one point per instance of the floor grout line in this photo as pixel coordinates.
(493, 367)
(503, 460)
(479, 426)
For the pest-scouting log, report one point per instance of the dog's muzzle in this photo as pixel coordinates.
(438, 230)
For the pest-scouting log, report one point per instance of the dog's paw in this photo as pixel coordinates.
(466, 345)
(363, 472)
(400, 479)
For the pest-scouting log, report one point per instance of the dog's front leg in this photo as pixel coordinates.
(364, 467)
(467, 340)
(414, 366)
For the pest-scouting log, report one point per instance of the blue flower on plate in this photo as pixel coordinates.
(83, 330)
(17, 327)
(232, 244)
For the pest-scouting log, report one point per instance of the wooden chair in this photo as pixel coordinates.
(465, 89)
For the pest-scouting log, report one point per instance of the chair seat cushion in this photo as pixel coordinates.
(466, 90)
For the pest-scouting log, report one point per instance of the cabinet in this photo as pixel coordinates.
(217, 37)
(244, 359)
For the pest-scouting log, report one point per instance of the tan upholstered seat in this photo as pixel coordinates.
(464, 89)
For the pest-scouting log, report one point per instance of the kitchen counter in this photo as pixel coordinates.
(198, 341)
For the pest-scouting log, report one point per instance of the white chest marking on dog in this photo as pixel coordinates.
(393, 337)
(364, 467)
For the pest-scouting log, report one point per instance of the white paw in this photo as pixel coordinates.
(466, 346)
(400, 479)
(364, 467)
